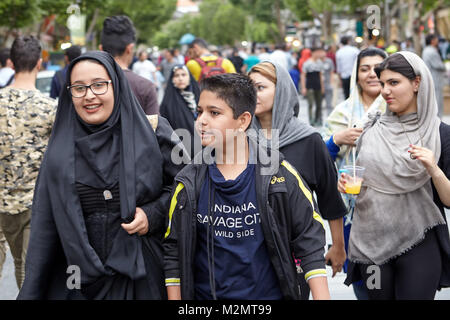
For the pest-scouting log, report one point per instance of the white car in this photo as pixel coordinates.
(44, 81)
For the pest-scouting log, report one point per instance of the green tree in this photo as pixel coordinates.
(62, 9)
(15, 14)
(218, 22)
(323, 10)
(172, 31)
(147, 16)
(264, 19)
(231, 19)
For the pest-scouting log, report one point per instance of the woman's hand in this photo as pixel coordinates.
(336, 255)
(440, 180)
(341, 182)
(139, 224)
(425, 156)
(347, 136)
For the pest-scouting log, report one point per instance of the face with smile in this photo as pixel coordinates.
(399, 92)
(367, 78)
(215, 119)
(265, 94)
(92, 108)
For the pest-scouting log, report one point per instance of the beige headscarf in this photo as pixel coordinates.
(395, 207)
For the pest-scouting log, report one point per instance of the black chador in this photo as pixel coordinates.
(179, 107)
(91, 180)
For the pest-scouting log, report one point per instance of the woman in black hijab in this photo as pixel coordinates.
(179, 104)
(102, 193)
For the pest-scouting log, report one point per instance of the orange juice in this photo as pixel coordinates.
(353, 186)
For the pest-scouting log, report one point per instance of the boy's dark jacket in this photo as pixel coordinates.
(292, 228)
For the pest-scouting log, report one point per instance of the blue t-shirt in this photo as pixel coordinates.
(251, 61)
(242, 265)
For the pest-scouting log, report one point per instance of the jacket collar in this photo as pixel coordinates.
(267, 163)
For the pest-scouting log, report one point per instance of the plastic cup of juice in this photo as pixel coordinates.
(354, 179)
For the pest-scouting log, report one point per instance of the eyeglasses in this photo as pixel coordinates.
(97, 88)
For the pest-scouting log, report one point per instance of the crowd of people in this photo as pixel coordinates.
(220, 190)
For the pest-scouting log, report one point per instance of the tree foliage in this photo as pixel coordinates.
(219, 21)
(16, 14)
(148, 16)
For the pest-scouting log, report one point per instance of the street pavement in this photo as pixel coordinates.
(338, 291)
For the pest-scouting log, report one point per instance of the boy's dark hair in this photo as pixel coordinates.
(72, 52)
(237, 90)
(200, 42)
(396, 63)
(430, 38)
(25, 53)
(4, 56)
(313, 49)
(345, 40)
(118, 32)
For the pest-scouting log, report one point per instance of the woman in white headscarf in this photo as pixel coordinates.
(399, 243)
(344, 125)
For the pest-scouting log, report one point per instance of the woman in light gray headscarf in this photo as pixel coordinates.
(399, 222)
(277, 112)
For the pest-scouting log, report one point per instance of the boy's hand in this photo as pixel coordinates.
(139, 224)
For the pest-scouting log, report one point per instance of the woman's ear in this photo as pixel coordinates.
(416, 83)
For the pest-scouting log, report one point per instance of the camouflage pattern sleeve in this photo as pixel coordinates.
(26, 119)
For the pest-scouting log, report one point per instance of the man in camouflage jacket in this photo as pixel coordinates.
(26, 118)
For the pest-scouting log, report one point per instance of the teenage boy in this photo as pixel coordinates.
(235, 232)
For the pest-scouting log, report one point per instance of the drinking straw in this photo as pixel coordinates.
(354, 163)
